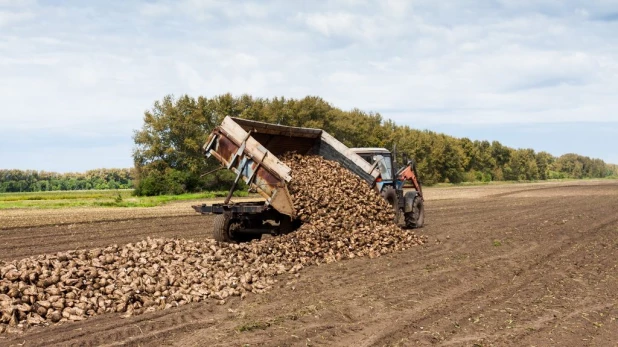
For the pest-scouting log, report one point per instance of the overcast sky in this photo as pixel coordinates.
(76, 76)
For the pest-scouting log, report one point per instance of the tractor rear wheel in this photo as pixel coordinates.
(416, 218)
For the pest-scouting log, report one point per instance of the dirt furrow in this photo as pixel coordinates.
(19, 243)
(497, 270)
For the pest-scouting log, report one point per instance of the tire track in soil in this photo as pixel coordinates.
(106, 331)
(553, 275)
(436, 291)
(468, 296)
(19, 243)
(376, 323)
(501, 292)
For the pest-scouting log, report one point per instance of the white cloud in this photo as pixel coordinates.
(86, 76)
(396, 8)
(99, 65)
(191, 77)
(208, 10)
(154, 9)
(346, 78)
(330, 24)
(241, 61)
(8, 18)
(16, 3)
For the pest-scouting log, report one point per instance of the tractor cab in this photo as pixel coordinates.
(380, 158)
(408, 205)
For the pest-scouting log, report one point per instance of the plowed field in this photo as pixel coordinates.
(521, 265)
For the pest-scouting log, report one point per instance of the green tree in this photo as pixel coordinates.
(168, 156)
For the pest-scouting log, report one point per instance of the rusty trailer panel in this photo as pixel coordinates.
(250, 149)
(280, 139)
(276, 129)
(242, 154)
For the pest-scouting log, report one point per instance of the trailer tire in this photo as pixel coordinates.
(220, 231)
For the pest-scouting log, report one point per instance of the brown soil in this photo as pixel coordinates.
(24, 218)
(533, 265)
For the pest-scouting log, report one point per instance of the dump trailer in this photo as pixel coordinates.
(251, 150)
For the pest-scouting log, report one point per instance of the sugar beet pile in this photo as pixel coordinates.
(342, 218)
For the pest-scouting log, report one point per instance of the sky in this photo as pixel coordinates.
(77, 76)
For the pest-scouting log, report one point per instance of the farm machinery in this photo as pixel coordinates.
(251, 150)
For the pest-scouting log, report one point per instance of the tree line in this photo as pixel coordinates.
(42, 181)
(168, 156)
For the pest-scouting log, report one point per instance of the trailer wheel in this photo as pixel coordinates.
(221, 228)
(226, 230)
(416, 218)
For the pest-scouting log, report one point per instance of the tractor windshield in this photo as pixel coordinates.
(382, 161)
(386, 169)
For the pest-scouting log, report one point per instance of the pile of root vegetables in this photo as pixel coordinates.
(342, 218)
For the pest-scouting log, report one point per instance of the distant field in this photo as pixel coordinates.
(125, 198)
(97, 198)
(501, 183)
